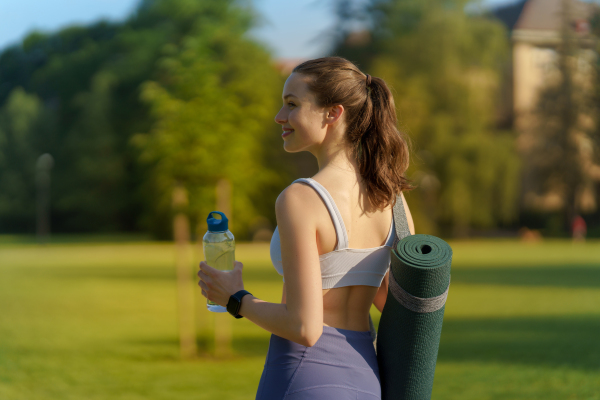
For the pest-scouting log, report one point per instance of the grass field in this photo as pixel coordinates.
(99, 321)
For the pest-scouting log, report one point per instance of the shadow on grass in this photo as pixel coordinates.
(166, 348)
(551, 341)
(570, 342)
(251, 346)
(562, 276)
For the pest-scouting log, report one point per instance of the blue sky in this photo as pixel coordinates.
(289, 28)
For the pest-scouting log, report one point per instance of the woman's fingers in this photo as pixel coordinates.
(205, 281)
(203, 285)
(218, 285)
(207, 269)
(203, 276)
(237, 265)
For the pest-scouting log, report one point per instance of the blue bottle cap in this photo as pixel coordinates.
(217, 225)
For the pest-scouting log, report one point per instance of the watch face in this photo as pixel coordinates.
(233, 305)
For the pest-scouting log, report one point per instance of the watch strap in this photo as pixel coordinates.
(235, 303)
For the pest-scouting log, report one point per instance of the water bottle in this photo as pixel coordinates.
(218, 246)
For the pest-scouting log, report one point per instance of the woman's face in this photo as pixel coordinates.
(303, 121)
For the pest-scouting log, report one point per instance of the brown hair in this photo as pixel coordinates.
(380, 149)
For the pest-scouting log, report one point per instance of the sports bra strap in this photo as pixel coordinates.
(338, 222)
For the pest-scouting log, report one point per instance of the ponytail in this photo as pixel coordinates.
(380, 149)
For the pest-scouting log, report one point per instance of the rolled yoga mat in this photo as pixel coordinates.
(410, 327)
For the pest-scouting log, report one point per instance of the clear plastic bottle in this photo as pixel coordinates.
(218, 246)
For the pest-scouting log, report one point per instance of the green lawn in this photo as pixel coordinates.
(99, 321)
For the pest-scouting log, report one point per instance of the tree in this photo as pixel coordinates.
(563, 155)
(215, 93)
(96, 83)
(96, 162)
(445, 68)
(21, 118)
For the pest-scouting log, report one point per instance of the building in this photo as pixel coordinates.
(536, 32)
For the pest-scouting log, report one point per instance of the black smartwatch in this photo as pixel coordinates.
(235, 302)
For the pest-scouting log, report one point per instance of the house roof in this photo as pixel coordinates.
(286, 65)
(509, 13)
(545, 14)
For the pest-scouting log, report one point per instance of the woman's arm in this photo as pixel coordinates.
(300, 319)
(381, 294)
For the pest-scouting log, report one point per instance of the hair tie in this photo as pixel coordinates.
(368, 80)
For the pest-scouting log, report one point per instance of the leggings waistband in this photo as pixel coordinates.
(347, 332)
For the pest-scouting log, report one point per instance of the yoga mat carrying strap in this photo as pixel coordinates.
(400, 221)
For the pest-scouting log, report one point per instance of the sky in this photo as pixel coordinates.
(291, 29)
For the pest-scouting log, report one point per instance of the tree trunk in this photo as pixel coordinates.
(181, 234)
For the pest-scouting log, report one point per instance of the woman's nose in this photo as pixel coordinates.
(280, 117)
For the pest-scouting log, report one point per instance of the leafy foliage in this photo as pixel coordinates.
(178, 75)
(21, 117)
(445, 68)
(214, 96)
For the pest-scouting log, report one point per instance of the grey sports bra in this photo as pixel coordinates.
(343, 266)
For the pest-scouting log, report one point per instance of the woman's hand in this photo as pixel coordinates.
(218, 286)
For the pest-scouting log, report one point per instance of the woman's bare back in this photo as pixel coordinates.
(348, 307)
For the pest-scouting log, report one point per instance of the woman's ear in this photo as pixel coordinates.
(334, 114)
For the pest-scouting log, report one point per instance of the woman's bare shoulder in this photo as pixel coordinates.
(298, 203)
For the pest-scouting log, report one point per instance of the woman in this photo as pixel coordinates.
(333, 239)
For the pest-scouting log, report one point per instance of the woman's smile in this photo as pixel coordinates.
(286, 132)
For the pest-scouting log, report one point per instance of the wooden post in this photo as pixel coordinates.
(204, 318)
(181, 234)
(224, 199)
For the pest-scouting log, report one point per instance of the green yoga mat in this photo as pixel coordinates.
(410, 327)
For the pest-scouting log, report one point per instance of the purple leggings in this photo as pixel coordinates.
(342, 365)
